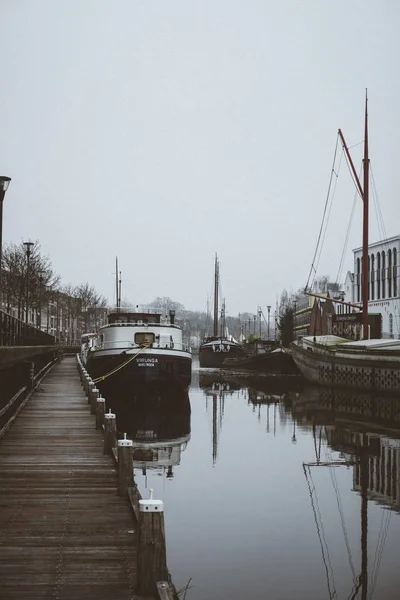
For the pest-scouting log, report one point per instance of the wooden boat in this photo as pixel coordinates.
(264, 357)
(362, 364)
(217, 347)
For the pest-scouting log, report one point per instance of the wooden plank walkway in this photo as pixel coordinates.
(65, 534)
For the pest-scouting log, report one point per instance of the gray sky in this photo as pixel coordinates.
(163, 132)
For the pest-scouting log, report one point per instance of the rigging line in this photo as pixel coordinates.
(322, 527)
(346, 242)
(330, 209)
(378, 205)
(340, 509)
(382, 547)
(326, 204)
(331, 594)
(377, 547)
(352, 176)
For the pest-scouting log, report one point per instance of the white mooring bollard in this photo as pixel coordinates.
(125, 465)
(100, 410)
(110, 432)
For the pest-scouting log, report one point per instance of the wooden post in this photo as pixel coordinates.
(125, 465)
(89, 386)
(94, 394)
(110, 432)
(86, 384)
(100, 410)
(31, 374)
(152, 559)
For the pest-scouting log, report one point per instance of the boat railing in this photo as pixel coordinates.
(128, 345)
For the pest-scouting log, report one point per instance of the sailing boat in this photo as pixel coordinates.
(363, 364)
(219, 346)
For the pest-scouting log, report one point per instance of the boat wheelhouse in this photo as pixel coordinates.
(139, 348)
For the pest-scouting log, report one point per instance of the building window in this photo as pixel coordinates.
(389, 274)
(358, 280)
(372, 277)
(394, 272)
(391, 325)
(378, 275)
(383, 275)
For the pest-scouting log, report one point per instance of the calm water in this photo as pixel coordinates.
(271, 493)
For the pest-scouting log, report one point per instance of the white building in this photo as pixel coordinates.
(383, 283)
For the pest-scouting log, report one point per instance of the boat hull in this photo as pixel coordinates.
(378, 372)
(150, 369)
(280, 362)
(213, 354)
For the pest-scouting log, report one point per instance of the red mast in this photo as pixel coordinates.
(364, 288)
(364, 193)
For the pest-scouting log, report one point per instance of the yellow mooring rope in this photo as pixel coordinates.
(120, 366)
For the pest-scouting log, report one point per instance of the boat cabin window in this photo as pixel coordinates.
(144, 337)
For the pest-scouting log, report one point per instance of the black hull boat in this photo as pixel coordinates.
(219, 346)
(138, 350)
(278, 361)
(214, 352)
(152, 371)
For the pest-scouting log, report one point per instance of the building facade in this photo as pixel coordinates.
(383, 283)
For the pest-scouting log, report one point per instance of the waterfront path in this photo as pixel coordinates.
(65, 534)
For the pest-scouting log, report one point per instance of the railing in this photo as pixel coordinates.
(14, 332)
(128, 344)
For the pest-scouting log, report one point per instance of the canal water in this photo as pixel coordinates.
(270, 490)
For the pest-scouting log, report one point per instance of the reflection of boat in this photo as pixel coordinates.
(219, 346)
(363, 364)
(137, 348)
(158, 425)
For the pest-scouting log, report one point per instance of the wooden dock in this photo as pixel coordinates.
(65, 534)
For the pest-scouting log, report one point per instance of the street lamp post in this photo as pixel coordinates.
(259, 321)
(41, 272)
(4, 183)
(268, 309)
(254, 328)
(28, 246)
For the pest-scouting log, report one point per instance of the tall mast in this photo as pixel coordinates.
(365, 228)
(116, 282)
(119, 290)
(216, 285)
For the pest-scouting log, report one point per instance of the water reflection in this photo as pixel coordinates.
(358, 426)
(307, 477)
(158, 425)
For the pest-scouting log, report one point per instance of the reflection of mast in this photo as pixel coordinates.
(215, 430)
(362, 465)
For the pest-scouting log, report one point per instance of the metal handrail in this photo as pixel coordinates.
(14, 332)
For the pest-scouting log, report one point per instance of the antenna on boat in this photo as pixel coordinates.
(116, 282)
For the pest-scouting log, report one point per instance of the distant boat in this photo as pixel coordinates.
(217, 347)
(272, 360)
(367, 364)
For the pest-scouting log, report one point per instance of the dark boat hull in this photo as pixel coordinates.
(272, 362)
(161, 371)
(213, 354)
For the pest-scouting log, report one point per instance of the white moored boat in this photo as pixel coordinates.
(139, 348)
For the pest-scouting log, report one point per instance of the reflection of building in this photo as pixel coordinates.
(383, 474)
(362, 428)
